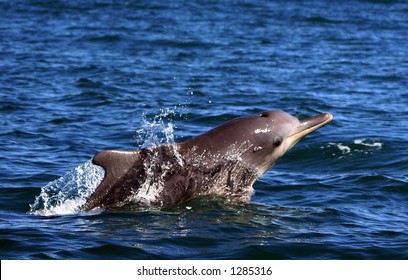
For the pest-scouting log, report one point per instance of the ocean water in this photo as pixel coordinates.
(79, 77)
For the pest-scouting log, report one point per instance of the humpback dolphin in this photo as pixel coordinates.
(225, 161)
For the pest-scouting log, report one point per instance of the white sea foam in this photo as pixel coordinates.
(67, 194)
(358, 146)
(368, 144)
(343, 148)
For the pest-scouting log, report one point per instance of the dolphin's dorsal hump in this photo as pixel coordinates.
(116, 164)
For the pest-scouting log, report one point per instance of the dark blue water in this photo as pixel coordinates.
(78, 77)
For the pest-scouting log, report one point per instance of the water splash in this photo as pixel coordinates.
(150, 190)
(153, 132)
(158, 129)
(67, 194)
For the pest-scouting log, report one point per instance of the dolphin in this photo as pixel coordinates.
(225, 161)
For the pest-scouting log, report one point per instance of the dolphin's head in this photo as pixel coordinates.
(259, 140)
(273, 133)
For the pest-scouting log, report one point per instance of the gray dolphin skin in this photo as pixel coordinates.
(225, 161)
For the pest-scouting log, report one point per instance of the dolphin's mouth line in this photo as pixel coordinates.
(309, 125)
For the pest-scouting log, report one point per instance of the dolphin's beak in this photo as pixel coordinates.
(307, 126)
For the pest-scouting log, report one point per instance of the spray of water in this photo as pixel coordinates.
(69, 193)
(158, 129)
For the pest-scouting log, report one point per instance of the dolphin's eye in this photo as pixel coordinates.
(264, 115)
(277, 142)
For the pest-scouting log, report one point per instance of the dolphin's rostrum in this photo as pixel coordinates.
(225, 161)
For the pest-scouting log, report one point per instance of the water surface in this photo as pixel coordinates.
(80, 77)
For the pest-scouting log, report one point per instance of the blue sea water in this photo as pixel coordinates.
(78, 77)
